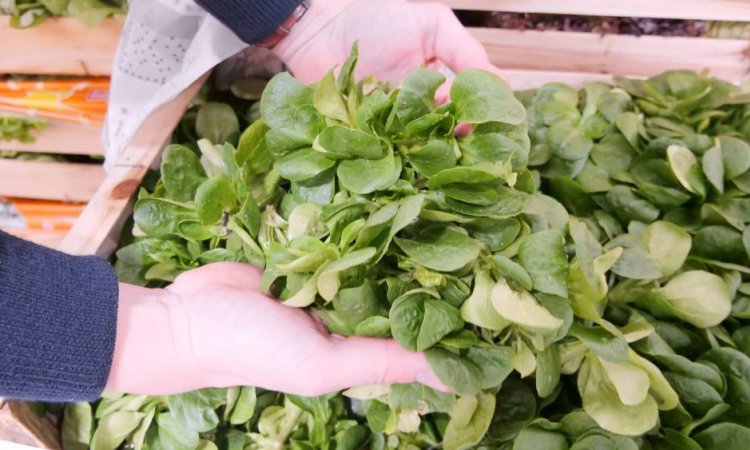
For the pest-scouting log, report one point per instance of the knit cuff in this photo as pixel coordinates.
(251, 21)
(58, 316)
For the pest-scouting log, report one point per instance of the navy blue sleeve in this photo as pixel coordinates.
(58, 316)
(251, 20)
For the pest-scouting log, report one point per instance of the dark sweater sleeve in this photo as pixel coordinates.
(251, 20)
(58, 316)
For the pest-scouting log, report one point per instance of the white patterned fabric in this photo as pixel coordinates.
(166, 45)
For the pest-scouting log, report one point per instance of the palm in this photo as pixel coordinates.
(241, 337)
(394, 36)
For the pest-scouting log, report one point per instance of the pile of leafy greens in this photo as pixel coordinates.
(574, 274)
(21, 129)
(27, 13)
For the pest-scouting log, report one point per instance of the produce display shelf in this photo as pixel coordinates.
(729, 10)
(62, 139)
(70, 182)
(59, 46)
(529, 58)
(592, 53)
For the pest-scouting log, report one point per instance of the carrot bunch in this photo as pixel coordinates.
(79, 100)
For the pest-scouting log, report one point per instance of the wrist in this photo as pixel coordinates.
(151, 353)
(286, 27)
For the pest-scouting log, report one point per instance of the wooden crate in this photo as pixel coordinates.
(59, 46)
(530, 59)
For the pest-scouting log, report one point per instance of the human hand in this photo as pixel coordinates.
(395, 37)
(213, 328)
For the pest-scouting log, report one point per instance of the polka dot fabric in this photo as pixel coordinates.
(166, 45)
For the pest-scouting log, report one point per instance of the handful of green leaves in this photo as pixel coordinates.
(19, 129)
(576, 276)
(27, 13)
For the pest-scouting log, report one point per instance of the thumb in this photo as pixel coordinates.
(362, 361)
(450, 42)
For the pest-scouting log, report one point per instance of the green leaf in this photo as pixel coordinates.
(470, 420)
(327, 99)
(160, 218)
(723, 436)
(440, 319)
(685, 167)
(216, 122)
(244, 408)
(497, 234)
(417, 396)
(512, 271)
(365, 176)
(356, 303)
(302, 165)
(287, 108)
(375, 326)
(440, 248)
(417, 94)
(345, 143)
(214, 198)
(418, 323)
(697, 297)
(548, 367)
(481, 97)
(173, 435)
(346, 76)
(433, 157)
(252, 152)
(181, 172)
(543, 257)
(478, 308)
(193, 411)
(672, 440)
(736, 156)
(606, 345)
(533, 438)
(114, 428)
(713, 168)
(461, 375)
(602, 403)
(329, 282)
(521, 308)
(494, 364)
(77, 426)
(627, 206)
(668, 245)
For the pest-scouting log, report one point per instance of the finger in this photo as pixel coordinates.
(369, 361)
(452, 43)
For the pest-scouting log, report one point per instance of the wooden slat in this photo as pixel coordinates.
(49, 180)
(64, 139)
(730, 10)
(521, 80)
(49, 239)
(61, 46)
(98, 229)
(20, 425)
(614, 54)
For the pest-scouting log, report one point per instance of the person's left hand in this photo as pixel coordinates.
(395, 37)
(214, 328)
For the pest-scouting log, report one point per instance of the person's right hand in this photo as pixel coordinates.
(395, 37)
(214, 328)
